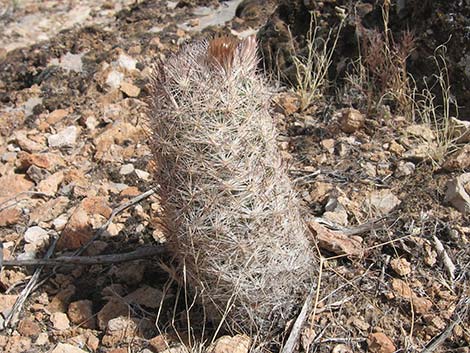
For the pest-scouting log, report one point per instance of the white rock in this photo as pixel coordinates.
(26, 256)
(36, 235)
(72, 62)
(126, 169)
(142, 174)
(60, 222)
(404, 169)
(126, 62)
(66, 137)
(456, 195)
(383, 201)
(114, 79)
(67, 348)
(60, 321)
(30, 104)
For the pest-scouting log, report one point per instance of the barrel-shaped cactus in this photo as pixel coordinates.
(231, 214)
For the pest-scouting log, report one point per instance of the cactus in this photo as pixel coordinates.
(231, 214)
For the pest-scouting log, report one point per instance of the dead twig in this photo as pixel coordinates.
(448, 264)
(12, 317)
(141, 253)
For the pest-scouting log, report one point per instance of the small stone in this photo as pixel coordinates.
(65, 138)
(81, 313)
(404, 169)
(13, 184)
(67, 348)
(396, 148)
(401, 266)
(29, 328)
(320, 191)
(72, 62)
(131, 273)
(378, 342)
(60, 222)
(159, 343)
(237, 344)
(126, 169)
(145, 296)
(17, 344)
(329, 145)
(49, 210)
(9, 156)
(37, 174)
(422, 131)
(56, 116)
(50, 185)
(129, 89)
(36, 235)
(10, 216)
(114, 79)
(341, 348)
(6, 302)
(456, 193)
(60, 321)
(130, 191)
(43, 339)
(112, 309)
(126, 62)
(288, 103)
(383, 201)
(30, 104)
(25, 160)
(351, 120)
(142, 174)
(26, 144)
(459, 160)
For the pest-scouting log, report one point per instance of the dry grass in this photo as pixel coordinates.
(312, 67)
(233, 219)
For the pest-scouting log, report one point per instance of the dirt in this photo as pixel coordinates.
(68, 73)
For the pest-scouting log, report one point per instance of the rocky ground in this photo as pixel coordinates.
(73, 149)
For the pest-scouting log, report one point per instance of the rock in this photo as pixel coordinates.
(112, 309)
(27, 144)
(351, 120)
(81, 313)
(30, 104)
(50, 185)
(13, 184)
(129, 89)
(402, 290)
(71, 62)
(36, 235)
(421, 152)
(287, 103)
(126, 62)
(43, 339)
(237, 344)
(65, 138)
(29, 328)
(341, 348)
(458, 160)
(87, 339)
(404, 169)
(401, 266)
(456, 193)
(16, 344)
(145, 296)
(60, 321)
(6, 303)
(10, 216)
(49, 210)
(56, 116)
(25, 160)
(126, 169)
(336, 242)
(120, 329)
(329, 145)
(159, 343)
(79, 228)
(130, 273)
(114, 79)
(37, 174)
(67, 348)
(383, 201)
(396, 148)
(118, 133)
(460, 129)
(320, 191)
(378, 342)
(141, 174)
(421, 131)
(61, 300)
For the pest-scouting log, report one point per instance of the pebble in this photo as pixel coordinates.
(126, 169)
(36, 235)
(65, 138)
(60, 321)
(126, 62)
(114, 79)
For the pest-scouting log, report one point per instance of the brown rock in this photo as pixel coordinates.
(459, 160)
(288, 103)
(401, 266)
(79, 229)
(26, 144)
(336, 242)
(9, 216)
(129, 89)
(145, 296)
(56, 116)
(118, 133)
(81, 313)
(320, 191)
(61, 300)
(456, 193)
(130, 273)
(50, 185)
(67, 348)
(13, 184)
(49, 210)
(130, 192)
(60, 321)
(378, 342)
(396, 148)
(159, 343)
(29, 328)
(25, 160)
(351, 120)
(236, 344)
(112, 309)
(17, 344)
